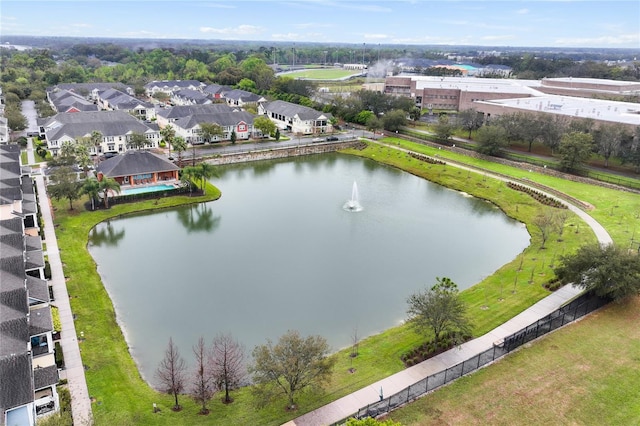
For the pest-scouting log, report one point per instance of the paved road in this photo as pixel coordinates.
(350, 404)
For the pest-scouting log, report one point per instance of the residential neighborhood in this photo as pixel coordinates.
(122, 145)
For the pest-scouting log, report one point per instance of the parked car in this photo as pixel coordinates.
(317, 140)
(332, 139)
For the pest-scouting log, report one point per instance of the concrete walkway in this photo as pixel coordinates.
(350, 404)
(74, 369)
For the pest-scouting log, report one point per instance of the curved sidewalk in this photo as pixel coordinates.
(350, 404)
(74, 369)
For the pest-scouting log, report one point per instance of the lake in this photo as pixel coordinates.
(277, 251)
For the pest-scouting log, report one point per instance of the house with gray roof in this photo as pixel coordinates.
(216, 91)
(240, 122)
(189, 97)
(28, 372)
(68, 101)
(136, 167)
(116, 128)
(296, 118)
(242, 98)
(170, 115)
(170, 86)
(115, 100)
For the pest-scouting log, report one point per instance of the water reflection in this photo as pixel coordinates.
(198, 218)
(105, 235)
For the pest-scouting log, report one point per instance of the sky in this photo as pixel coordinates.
(557, 23)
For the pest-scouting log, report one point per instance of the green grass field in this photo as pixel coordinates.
(584, 374)
(323, 74)
(122, 397)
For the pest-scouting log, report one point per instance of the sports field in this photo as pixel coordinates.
(323, 74)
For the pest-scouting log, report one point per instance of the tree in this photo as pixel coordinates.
(205, 171)
(443, 128)
(234, 137)
(608, 140)
(107, 185)
(546, 223)
(491, 140)
(291, 365)
(91, 187)
(66, 185)
(189, 175)
(227, 364)
(394, 120)
(202, 387)
(575, 149)
(168, 133)
(171, 373)
(96, 138)
(179, 146)
(470, 120)
(137, 141)
(266, 126)
(374, 124)
(609, 270)
(277, 135)
(439, 310)
(210, 131)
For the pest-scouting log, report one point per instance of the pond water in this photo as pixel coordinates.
(278, 251)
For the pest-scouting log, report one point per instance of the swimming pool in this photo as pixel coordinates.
(145, 189)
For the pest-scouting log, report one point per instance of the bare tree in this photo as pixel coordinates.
(546, 224)
(227, 364)
(171, 373)
(202, 388)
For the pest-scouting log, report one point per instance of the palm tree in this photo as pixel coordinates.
(108, 184)
(206, 171)
(168, 134)
(91, 187)
(96, 138)
(179, 145)
(189, 174)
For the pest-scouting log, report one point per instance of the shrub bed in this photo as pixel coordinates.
(537, 195)
(427, 159)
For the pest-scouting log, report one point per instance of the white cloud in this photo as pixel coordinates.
(522, 11)
(80, 25)
(494, 38)
(237, 31)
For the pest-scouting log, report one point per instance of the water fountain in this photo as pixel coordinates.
(353, 205)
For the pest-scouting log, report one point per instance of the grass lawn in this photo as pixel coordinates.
(323, 74)
(121, 397)
(584, 374)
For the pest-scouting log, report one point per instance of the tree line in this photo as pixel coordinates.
(573, 140)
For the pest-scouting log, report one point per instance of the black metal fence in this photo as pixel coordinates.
(578, 308)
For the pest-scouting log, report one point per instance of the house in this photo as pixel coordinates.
(138, 168)
(89, 90)
(242, 98)
(27, 362)
(170, 115)
(171, 86)
(4, 130)
(68, 101)
(116, 128)
(189, 97)
(296, 118)
(115, 100)
(240, 122)
(216, 91)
